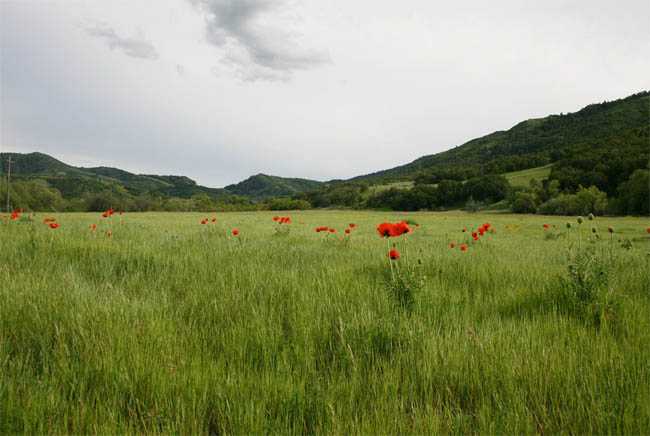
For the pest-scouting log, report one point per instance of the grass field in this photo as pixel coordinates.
(522, 178)
(174, 326)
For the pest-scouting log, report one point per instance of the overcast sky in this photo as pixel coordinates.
(219, 90)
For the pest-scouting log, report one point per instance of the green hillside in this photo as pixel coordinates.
(522, 178)
(262, 186)
(619, 126)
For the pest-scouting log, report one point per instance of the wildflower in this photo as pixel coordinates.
(214, 220)
(49, 220)
(463, 247)
(464, 229)
(475, 236)
(648, 230)
(54, 225)
(15, 214)
(352, 226)
(235, 232)
(93, 227)
(546, 226)
(452, 245)
(331, 230)
(401, 228)
(481, 231)
(347, 231)
(393, 254)
(276, 218)
(204, 221)
(385, 230)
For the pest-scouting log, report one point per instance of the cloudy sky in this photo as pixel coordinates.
(222, 89)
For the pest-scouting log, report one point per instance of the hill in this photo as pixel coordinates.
(262, 186)
(621, 126)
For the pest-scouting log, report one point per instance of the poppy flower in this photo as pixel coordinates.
(332, 230)
(648, 230)
(15, 214)
(352, 225)
(474, 235)
(321, 229)
(402, 228)
(276, 218)
(385, 230)
(452, 245)
(235, 232)
(481, 231)
(93, 227)
(463, 247)
(347, 231)
(214, 220)
(204, 221)
(393, 254)
(54, 225)
(546, 226)
(49, 220)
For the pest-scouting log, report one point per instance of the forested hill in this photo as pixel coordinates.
(262, 186)
(605, 130)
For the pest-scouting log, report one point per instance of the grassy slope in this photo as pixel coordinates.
(172, 326)
(262, 186)
(522, 178)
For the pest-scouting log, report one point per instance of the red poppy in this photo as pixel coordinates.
(332, 230)
(475, 235)
(452, 245)
(648, 230)
(481, 231)
(235, 232)
(15, 214)
(214, 220)
(93, 227)
(402, 227)
(385, 230)
(276, 218)
(393, 254)
(54, 225)
(352, 225)
(463, 247)
(204, 221)
(321, 229)
(546, 226)
(347, 231)
(49, 220)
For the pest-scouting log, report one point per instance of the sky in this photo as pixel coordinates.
(219, 90)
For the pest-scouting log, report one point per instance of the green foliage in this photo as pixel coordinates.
(262, 186)
(585, 201)
(634, 194)
(287, 204)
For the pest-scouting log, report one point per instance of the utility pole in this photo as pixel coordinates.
(8, 182)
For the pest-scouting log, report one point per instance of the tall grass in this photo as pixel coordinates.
(174, 326)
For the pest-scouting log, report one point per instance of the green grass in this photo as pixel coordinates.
(522, 178)
(174, 326)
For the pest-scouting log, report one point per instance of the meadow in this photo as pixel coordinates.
(170, 325)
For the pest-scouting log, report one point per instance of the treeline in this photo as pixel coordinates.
(39, 195)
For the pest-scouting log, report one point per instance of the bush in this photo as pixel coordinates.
(584, 202)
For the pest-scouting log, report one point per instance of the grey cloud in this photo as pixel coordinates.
(256, 49)
(130, 46)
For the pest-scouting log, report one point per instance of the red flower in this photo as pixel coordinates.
(49, 220)
(546, 226)
(54, 225)
(648, 230)
(322, 229)
(385, 230)
(204, 221)
(347, 231)
(276, 218)
(481, 231)
(332, 230)
(393, 254)
(402, 227)
(352, 225)
(452, 245)
(235, 232)
(463, 247)
(214, 220)
(93, 227)
(475, 236)
(282, 219)
(464, 229)
(15, 214)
